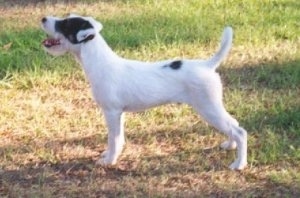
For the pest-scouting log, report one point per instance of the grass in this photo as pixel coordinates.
(52, 132)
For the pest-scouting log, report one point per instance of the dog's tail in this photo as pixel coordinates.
(226, 42)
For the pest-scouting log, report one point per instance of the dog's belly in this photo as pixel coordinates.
(136, 104)
(137, 107)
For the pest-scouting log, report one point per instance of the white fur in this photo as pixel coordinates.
(121, 85)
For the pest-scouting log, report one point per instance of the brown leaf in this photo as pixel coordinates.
(7, 46)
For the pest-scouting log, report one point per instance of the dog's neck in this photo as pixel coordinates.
(97, 58)
(96, 48)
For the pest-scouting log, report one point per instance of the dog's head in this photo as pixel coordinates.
(68, 34)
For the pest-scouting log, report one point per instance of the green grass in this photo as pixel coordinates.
(51, 132)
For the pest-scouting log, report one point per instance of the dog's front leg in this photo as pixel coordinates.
(116, 139)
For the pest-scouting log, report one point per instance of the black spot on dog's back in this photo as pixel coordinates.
(176, 64)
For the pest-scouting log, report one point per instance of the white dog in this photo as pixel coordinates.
(121, 85)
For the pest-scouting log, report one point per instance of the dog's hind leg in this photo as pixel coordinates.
(116, 139)
(215, 114)
(230, 144)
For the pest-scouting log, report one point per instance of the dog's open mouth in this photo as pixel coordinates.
(50, 42)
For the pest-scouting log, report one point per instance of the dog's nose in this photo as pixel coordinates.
(44, 20)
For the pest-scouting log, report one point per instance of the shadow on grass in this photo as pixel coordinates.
(277, 88)
(80, 177)
(268, 75)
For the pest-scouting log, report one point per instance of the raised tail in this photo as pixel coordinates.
(226, 42)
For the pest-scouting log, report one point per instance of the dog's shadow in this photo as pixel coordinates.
(134, 165)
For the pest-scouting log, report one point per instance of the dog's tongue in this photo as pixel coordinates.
(49, 42)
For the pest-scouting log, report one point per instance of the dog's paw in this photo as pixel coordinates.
(106, 159)
(228, 145)
(238, 165)
(104, 162)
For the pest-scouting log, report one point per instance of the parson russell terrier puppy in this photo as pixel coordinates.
(120, 85)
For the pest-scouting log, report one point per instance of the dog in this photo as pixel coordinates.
(121, 85)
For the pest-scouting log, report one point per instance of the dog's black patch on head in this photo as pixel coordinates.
(69, 27)
(175, 64)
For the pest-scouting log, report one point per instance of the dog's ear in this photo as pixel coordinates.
(96, 24)
(86, 35)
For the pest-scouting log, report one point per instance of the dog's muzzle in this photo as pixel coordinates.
(50, 41)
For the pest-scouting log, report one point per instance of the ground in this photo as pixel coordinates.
(52, 133)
